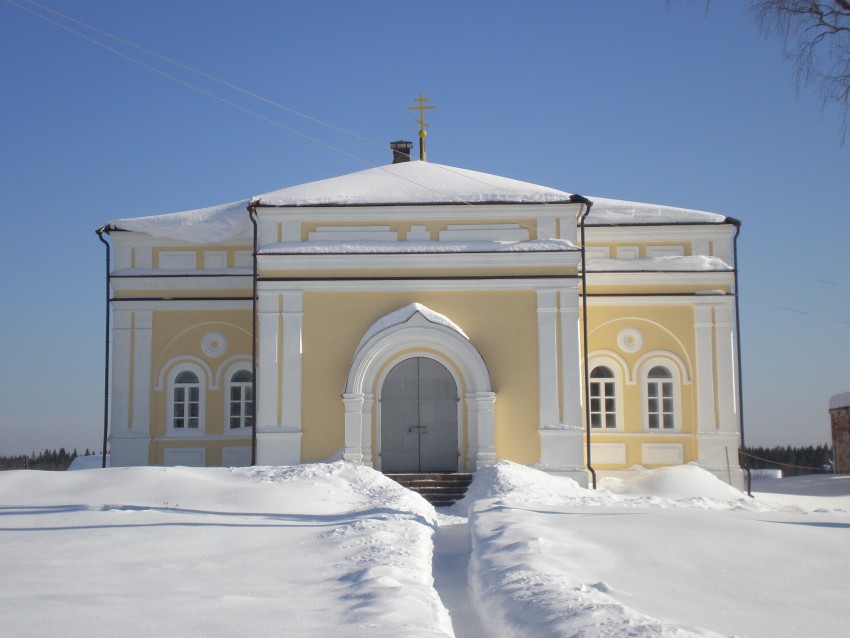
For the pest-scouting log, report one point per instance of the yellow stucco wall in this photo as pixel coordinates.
(665, 330)
(501, 324)
(177, 336)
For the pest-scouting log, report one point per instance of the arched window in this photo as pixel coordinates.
(240, 394)
(661, 411)
(186, 401)
(603, 398)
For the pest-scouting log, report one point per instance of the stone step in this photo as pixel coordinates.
(441, 489)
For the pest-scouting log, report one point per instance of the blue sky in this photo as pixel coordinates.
(651, 101)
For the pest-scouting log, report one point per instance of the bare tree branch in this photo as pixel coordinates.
(817, 41)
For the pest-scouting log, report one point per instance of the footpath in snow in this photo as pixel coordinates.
(671, 552)
(451, 569)
(335, 549)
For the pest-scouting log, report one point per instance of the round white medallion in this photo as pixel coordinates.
(214, 344)
(630, 340)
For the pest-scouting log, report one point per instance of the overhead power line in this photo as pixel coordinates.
(305, 116)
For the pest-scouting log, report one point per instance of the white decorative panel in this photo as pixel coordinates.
(353, 233)
(665, 251)
(418, 233)
(597, 252)
(700, 247)
(188, 456)
(662, 454)
(608, 453)
(546, 228)
(215, 259)
(484, 232)
(236, 456)
(628, 252)
(244, 259)
(177, 260)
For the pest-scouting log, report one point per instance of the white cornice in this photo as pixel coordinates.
(389, 285)
(419, 260)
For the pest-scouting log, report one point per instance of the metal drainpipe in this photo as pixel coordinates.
(252, 213)
(586, 371)
(100, 232)
(744, 463)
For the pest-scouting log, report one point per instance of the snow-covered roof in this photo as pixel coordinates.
(616, 212)
(321, 247)
(413, 183)
(840, 401)
(202, 226)
(406, 183)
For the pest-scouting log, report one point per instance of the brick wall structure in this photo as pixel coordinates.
(839, 414)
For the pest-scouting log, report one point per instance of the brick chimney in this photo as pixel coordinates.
(401, 151)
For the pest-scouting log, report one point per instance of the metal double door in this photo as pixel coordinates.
(419, 404)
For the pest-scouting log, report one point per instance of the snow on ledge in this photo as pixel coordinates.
(323, 247)
(666, 263)
(840, 401)
(403, 315)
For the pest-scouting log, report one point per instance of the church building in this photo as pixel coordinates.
(417, 317)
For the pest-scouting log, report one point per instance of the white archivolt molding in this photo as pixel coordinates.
(414, 337)
(209, 381)
(684, 363)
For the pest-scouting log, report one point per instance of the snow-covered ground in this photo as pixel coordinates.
(335, 549)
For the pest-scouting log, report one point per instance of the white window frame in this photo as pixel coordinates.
(601, 384)
(616, 365)
(675, 379)
(242, 430)
(173, 373)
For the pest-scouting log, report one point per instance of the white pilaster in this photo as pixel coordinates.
(354, 404)
(278, 448)
(703, 329)
(121, 358)
(562, 453)
(727, 395)
(142, 331)
(570, 360)
(127, 446)
(481, 428)
(268, 381)
(293, 315)
(547, 356)
(366, 428)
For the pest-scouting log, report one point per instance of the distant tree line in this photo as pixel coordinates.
(47, 460)
(793, 461)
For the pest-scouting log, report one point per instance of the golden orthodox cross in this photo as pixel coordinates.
(421, 121)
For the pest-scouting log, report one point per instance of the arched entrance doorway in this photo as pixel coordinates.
(415, 331)
(419, 415)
